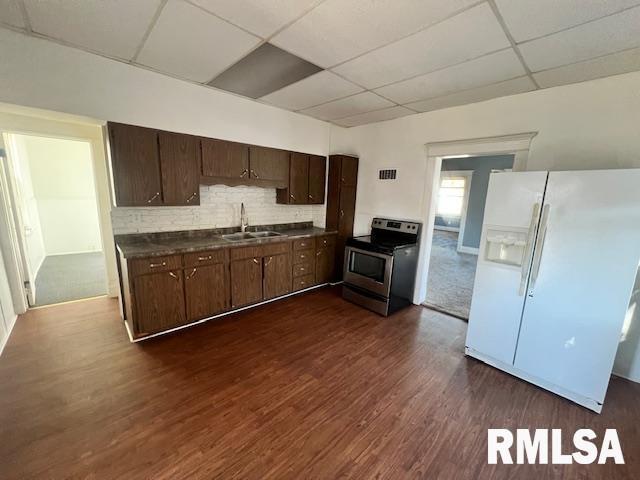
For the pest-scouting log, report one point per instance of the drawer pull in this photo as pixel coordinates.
(193, 195)
(202, 259)
(173, 275)
(193, 272)
(244, 172)
(303, 256)
(255, 260)
(153, 197)
(302, 269)
(253, 172)
(156, 265)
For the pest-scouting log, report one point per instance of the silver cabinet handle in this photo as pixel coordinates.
(310, 197)
(193, 195)
(173, 275)
(292, 196)
(302, 269)
(193, 272)
(255, 260)
(342, 213)
(318, 253)
(253, 172)
(537, 259)
(268, 261)
(528, 250)
(156, 265)
(302, 255)
(202, 259)
(244, 172)
(153, 197)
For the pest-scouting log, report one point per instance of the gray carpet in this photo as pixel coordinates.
(451, 275)
(70, 277)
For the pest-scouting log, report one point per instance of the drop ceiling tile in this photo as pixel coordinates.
(528, 19)
(264, 70)
(614, 64)
(487, 92)
(261, 17)
(600, 37)
(319, 88)
(346, 107)
(114, 28)
(338, 30)
(492, 68)
(193, 44)
(11, 14)
(372, 117)
(439, 46)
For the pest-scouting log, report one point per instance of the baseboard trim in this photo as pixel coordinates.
(5, 340)
(470, 250)
(634, 380)
(446, 229)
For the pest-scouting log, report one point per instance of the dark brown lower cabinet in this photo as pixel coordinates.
(206, 292)
(325, 264)
(159, 301)
(246, 281)
(277, 275)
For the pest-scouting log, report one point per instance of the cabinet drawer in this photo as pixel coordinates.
(245, 252)
(303, 256)
(302, 269)
(276, 248)
(326, 241)
(140, 266)
(303, 282)
(304, 243)
(204, 258)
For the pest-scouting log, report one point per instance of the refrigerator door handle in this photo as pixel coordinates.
(537, 257)
(528, 251)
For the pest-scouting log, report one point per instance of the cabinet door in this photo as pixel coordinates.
(224, 159)
(317, 173)
(206, 291)
(349, 171)
(135, 165)
(298, 178)
(159, 301)
(325, 264)
(246, 282)
(180, 172)
(269, 164)
(347, 211)
(277, 275)
(333, 192)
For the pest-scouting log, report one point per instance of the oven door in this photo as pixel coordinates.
(368, 270)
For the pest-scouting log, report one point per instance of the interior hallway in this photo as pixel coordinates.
(451, 275)
(63, 278)
(309, 387)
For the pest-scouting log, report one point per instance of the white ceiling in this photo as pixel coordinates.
(383, 59)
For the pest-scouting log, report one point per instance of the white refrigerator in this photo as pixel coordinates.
(558, 258)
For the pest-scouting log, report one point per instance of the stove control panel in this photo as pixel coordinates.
(395, 225)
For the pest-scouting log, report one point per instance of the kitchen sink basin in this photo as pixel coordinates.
(237, 237)
(264, 234)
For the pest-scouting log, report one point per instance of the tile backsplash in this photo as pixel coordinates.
(219, 207)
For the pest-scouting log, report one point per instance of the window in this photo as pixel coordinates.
(451, 196)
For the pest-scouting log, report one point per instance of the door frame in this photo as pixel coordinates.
(468, 174)
(516, 144)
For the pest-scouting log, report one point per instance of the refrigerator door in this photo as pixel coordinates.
(506, 246)
(583, 271)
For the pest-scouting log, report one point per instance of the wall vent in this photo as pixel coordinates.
(387, 174)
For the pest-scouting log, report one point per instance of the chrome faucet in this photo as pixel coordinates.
(244, 222)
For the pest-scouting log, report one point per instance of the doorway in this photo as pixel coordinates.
(52, 187)
(457, 226)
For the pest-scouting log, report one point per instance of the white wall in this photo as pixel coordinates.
(63, 187)
(7, 312)
(583, 126)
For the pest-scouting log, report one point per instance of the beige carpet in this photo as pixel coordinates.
(451, 275)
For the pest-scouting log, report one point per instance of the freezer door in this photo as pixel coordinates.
(583, 272)
(511, 217)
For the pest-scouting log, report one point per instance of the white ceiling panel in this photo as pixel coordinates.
(377, 116)
(319, 88)
(469, 34)
(501, 89)
(527, 19)
(346, 107)
(492, 68)
(338, 30)
(11, 14)
(114, 28)
(614, 64)
(600, 37)
(190, 43)
(261, 17)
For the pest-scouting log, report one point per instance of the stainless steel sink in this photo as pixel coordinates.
(238, 237)
(264, 234)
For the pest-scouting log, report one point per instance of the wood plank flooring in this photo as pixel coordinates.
(310, 387)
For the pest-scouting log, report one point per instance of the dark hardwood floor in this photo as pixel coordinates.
(310, 387)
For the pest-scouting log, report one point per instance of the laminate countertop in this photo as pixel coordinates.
(141, 245)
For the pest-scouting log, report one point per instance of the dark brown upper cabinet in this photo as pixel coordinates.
(179, 160)
(317, 174)
(306, 180)
(269, 165)
(135, 165)
(224, 160)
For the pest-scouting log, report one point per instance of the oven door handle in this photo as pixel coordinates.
(369, 252)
